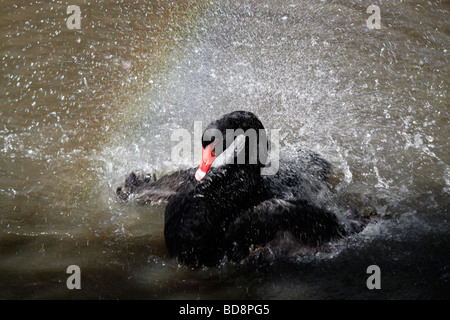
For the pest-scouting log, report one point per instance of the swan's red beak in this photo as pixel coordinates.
(208, 158)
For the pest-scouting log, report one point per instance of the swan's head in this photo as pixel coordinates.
(236, 138)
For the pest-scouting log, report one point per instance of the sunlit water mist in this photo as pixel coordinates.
(81, 109)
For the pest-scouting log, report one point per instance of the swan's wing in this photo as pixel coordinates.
(300, 175)
(259, 225)
(147, 190)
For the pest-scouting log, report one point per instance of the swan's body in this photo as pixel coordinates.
(233, 207)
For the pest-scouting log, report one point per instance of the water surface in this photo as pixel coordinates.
(81, 109)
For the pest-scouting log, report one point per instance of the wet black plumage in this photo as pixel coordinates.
(234, 207)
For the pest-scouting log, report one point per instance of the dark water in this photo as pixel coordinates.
(81, 109)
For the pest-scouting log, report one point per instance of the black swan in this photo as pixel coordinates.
(219, 212)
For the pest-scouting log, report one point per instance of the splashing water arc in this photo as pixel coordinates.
(82, 108)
